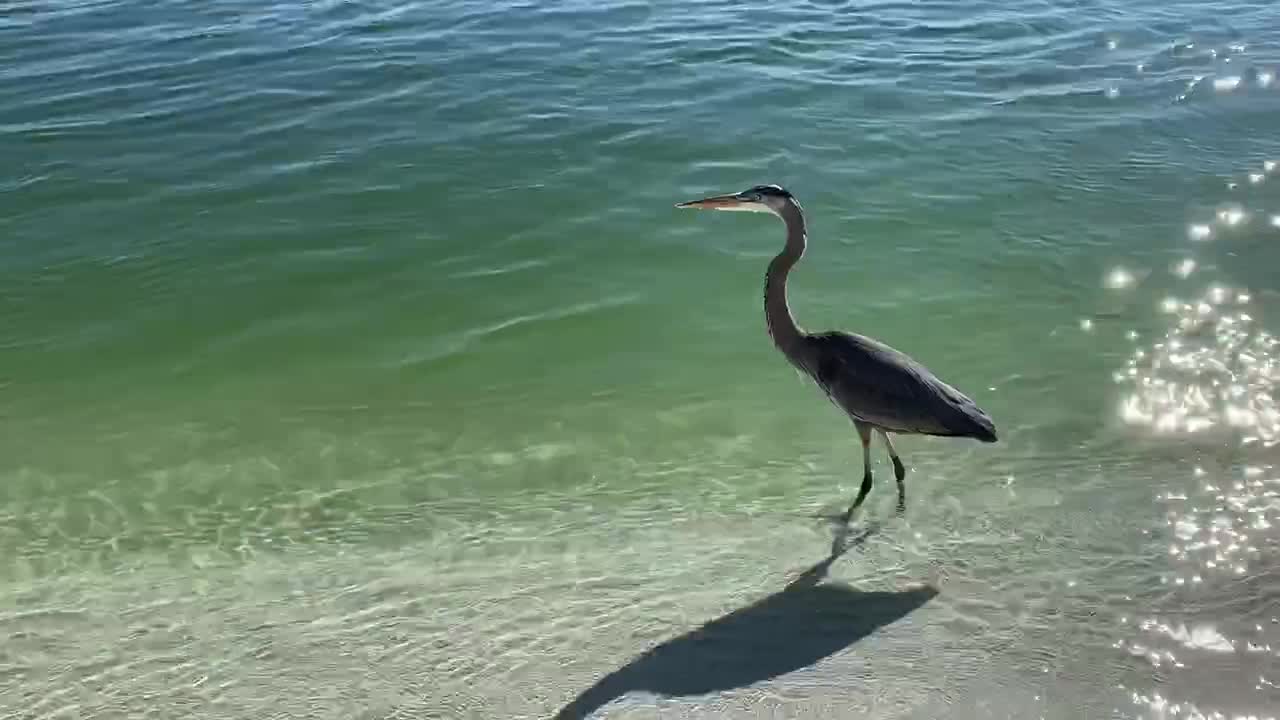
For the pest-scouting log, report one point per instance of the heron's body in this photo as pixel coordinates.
(886, 389)
(881, 389)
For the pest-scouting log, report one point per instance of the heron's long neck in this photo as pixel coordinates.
(777, 313)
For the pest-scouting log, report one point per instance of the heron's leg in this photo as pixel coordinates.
(864, 434)
(899, 471)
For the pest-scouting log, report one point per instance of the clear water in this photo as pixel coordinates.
(355, 363)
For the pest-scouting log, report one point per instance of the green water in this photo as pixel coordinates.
(355, 363)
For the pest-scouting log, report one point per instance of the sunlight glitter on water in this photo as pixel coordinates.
(1200, 232)
(1162, 707)
(1213, 373)
(1232, 215)
(1119, 278)
(1213, 368)
(1226, 84)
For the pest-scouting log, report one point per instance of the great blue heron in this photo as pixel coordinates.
(881, 389)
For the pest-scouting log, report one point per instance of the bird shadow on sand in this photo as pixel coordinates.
(805, 622)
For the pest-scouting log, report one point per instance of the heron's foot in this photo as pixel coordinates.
(900, 473)
(862, 495)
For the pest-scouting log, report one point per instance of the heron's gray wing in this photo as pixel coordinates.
(882, 386)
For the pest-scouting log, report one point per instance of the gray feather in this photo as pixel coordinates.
(879, 385)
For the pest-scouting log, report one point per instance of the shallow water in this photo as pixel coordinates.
(354, 362)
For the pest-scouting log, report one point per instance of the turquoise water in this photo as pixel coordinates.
(355, 363)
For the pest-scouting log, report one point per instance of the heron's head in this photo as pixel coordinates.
(761, 198)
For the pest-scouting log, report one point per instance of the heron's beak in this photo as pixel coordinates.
(717, 202)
